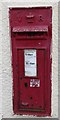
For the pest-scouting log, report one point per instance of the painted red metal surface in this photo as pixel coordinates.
(31, 29)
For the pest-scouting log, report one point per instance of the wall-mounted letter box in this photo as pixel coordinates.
(31, 35)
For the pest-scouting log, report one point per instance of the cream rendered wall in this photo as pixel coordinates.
(0, 62)
(7, 81)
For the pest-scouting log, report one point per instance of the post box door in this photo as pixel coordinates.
(32, 64)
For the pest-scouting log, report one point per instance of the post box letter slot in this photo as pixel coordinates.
(30, 29)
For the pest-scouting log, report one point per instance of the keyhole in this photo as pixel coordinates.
(31, 98)
(26, 85)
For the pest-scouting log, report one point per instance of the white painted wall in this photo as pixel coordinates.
(7, 81)
(0, 62)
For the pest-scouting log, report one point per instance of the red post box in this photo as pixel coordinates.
(31, 34)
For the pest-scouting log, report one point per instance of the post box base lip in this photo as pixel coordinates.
(32, 113)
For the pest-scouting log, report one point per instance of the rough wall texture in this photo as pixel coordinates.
(0, 62)
(59, 54)
(7, 84)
